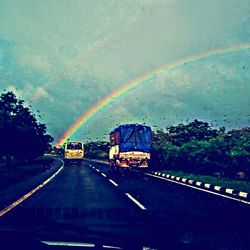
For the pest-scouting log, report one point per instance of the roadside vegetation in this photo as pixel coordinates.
(22, 137)
(97, 150)
(199, 149)
(22, 172)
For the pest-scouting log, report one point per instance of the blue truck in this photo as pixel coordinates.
(130, 147)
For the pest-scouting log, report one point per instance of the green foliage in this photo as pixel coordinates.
(198, 148)
(198, 130)
(21, 135)
(96, 150)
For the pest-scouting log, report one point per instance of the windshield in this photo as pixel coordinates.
(74, 145)
(125, 123)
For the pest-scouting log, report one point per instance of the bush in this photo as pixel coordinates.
(197, 148)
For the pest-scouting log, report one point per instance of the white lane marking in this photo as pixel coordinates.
(97, 170)
(20, 200)
(203, 190)
(71, 244)
(111, 247)
(135, 201)
(104, 175)
(99, 161)
(115, 184)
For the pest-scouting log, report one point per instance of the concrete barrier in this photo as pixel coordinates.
(206, 186)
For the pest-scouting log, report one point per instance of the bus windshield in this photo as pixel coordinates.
(74, 145)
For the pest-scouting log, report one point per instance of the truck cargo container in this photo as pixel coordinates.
(130, 147)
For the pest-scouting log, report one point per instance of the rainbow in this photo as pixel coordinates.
(119, 92)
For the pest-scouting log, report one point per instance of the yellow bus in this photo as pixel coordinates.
(74, 152)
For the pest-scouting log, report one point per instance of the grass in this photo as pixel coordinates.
(17, 173)
(241, 185)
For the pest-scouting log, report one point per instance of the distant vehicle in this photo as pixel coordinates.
(73, 152)
(130, 147)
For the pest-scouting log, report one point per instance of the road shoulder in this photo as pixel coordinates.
(216, 189)
(11, 194)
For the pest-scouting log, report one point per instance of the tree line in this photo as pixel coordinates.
(198, 148)
(22, 137)
(97, 150)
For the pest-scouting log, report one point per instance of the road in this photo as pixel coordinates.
(141, 208)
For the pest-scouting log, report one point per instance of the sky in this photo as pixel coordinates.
(62, 57)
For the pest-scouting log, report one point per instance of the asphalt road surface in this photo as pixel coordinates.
(136, 209)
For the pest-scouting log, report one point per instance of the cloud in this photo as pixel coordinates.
(37, 62)
(41, 93)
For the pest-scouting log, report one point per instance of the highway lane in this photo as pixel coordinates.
(76, 189)
(197, 212)
(79, 196)
(142, 208)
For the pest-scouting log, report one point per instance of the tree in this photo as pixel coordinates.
(159, 145)
(198, 148)
(97, 150)
(197, 130)
(21, 135)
